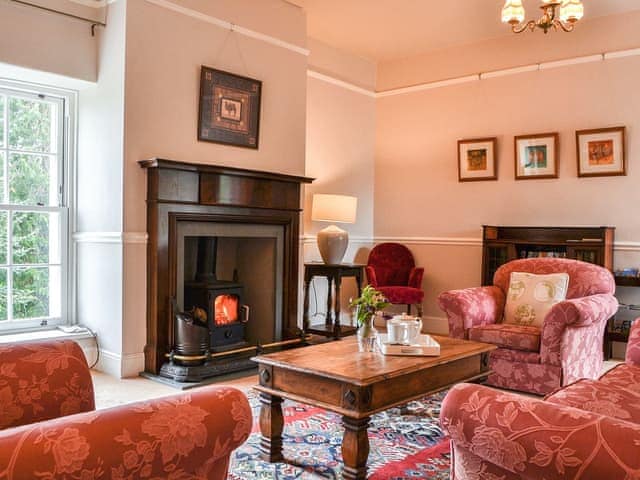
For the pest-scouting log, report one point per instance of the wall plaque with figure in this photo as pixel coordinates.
(229, 108)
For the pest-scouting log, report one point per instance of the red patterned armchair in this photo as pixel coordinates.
(392, 270)
(532, 359)
(49, 428)
(587, 430)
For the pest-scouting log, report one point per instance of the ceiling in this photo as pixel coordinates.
(383, 30)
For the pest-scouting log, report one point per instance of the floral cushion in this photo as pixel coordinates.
(530, 297)
(43, 380)
(601, 398)
(623, 376)
(518, 337)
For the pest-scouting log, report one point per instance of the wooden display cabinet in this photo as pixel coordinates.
(501, 244)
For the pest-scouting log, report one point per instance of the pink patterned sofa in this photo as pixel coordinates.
(50, 430)
(532, 359)
(587, 430)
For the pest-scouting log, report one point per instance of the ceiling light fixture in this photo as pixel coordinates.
(555, 13)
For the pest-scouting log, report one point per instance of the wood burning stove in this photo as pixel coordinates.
(221, 299)
(227, 316)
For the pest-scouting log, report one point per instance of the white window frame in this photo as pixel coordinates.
(67, 114)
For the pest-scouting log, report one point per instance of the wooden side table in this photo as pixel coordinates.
(334, 275)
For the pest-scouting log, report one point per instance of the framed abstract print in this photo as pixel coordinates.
(477, 159)
(536, 156)
(229, 108)
(600, 152)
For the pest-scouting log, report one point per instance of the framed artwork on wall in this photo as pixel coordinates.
(229, 108)
(600, 152)
(477, 159)
(536, 156)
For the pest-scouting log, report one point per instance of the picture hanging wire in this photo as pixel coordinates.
(94, 23)
(223, 45)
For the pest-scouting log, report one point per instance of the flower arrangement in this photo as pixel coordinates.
(367, 304)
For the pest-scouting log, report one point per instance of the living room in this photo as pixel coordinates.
(373, 100)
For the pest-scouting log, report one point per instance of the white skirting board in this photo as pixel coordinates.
(119, 365)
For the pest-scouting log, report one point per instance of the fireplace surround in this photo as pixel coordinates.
(179, 194)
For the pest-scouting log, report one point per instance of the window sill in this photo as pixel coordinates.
(42, 335)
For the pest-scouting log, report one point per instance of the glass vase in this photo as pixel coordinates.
(367, 335)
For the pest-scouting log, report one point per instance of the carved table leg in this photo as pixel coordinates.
(355, 448)
(329, 318)
(336, 310)
(271, 425)
(305, 311)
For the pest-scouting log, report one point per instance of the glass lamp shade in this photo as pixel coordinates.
(571, 10)
(513, 11)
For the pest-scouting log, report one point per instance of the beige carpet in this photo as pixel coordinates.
(111, 391)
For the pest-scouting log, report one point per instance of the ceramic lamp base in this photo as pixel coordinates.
(332, 243)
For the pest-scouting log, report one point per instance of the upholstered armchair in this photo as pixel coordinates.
(587, 430)
(392, 270)
(567, 347)
(50, 430)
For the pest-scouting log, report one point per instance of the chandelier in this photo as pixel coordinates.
(555, 13)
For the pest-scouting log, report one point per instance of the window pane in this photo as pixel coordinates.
(30, 125)
(2, 189)
(32, 179)
(2, 103)
(3, 294)
(30, 292)
(4, 215)
(31, 232)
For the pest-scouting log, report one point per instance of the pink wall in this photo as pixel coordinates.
(417, 193)
(164, 52)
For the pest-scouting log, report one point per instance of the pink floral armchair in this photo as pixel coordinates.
(587, 430)
(50, 430)
(532, 359)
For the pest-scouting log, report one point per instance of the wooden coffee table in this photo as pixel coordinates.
(336, 377)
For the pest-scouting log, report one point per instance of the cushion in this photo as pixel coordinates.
(517, 337)
(623, 376)
(406, 295)
(392, 276)
(531, 296)
(598, 397)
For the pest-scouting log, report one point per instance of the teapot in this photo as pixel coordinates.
(403, 329)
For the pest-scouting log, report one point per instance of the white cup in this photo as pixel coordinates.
(403, 329)
(396, 332)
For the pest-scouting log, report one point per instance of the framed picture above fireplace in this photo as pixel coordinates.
(229, 108)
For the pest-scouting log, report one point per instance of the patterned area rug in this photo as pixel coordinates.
(402, 446)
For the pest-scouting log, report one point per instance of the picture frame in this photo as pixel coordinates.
(477, 159)
(600, 152)
(536, 156)
(229, 108)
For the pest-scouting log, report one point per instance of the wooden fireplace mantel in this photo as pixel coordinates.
(181, 191)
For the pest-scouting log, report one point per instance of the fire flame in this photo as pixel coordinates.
(226, 309)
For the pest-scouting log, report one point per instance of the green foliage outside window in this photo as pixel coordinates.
(29, 129)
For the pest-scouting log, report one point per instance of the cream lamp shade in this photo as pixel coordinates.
(333, 241)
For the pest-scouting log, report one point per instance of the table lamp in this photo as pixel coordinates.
(332, 240)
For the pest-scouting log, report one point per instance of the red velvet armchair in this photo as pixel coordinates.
(49, 428)
(532, 359)
(392, 270)
(587, 430)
